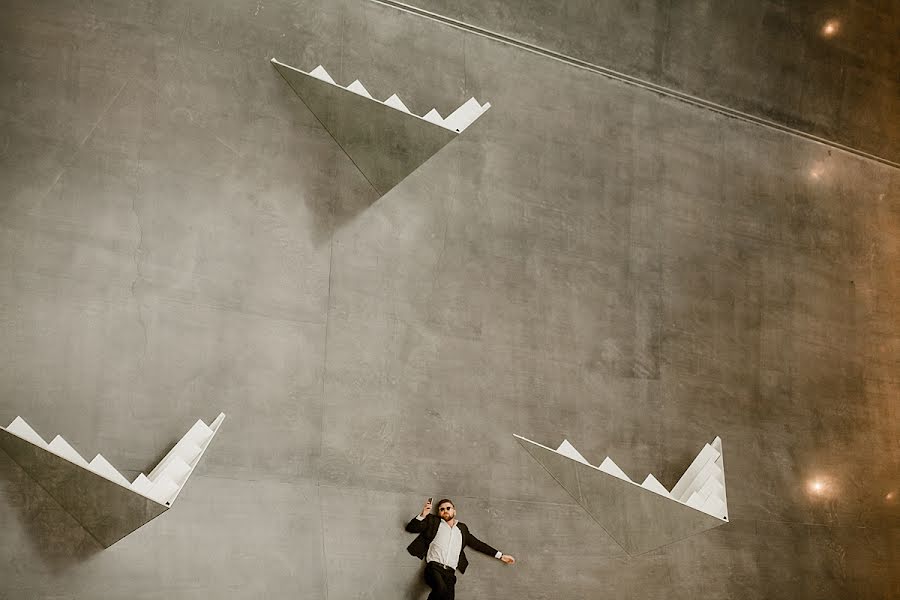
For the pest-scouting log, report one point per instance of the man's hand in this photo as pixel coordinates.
(508, 559)
(427, 508)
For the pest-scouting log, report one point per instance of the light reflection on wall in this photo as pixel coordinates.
(831, 28)
(821, 486)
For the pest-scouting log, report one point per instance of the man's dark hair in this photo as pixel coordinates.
(445, 501)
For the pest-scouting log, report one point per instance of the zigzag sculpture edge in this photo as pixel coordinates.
(697, 488)
(165, 481)
(457, 121)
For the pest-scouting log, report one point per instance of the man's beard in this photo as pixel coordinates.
(447, 517)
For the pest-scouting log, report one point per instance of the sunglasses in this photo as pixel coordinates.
(443, 508)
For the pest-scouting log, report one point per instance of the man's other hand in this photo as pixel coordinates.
(508, 559)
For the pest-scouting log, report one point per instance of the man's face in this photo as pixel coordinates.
(446, 511)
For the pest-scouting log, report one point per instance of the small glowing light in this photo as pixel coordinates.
(830, 28)
(890, 496)
(819, 486)
(816, 172)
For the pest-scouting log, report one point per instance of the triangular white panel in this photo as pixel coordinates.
(175, 470)
(320, 73)
(433, 116)
(714, 505)
(163, 489)
(466, 114)
(357, 88)
(625, 509)
(707, 454)
(720, 462)
(22, 429)
(101, 466)
(712, 487)
(199, 433)
(567, 449)
(385, 140)
(188, 451)
(651, 483)
(96, 494)
(214, 426)
(61, 446)
(141, 484)
(608, 466)
(709, 470)
(695, 501)
(185, 449)
(395, 102)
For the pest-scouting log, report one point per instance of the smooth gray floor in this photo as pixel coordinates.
(179, 236)
(776, 59)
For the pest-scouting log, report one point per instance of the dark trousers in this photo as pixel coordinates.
(442, 582)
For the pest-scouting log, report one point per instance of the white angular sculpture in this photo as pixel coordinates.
(641, 517)
(384, 140)
(100, 498)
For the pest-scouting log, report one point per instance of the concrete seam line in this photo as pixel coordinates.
(631, 80)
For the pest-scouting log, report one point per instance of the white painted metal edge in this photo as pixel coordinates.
(25, 433)
(46, 448)
(215, 426)
(460, 114)
(670, 497)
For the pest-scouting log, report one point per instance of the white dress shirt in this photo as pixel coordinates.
(446, 545)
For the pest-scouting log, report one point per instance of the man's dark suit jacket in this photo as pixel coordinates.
(427, 529)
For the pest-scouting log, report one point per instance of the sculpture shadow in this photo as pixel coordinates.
(349, 195)
(340, 191)
(388, 155)
(57, 538)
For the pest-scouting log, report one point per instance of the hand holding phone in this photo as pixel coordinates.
(427, 508)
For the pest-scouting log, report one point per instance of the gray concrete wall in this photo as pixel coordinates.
(180, 236)
(769, 58)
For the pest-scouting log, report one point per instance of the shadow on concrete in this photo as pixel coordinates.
(57, 538)
(341, 191)
(417, 588)
(350, 196)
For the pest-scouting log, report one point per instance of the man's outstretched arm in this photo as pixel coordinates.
(417, 524)
(484, 548)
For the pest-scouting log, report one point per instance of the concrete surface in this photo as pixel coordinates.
(181, 237)
(825, 68)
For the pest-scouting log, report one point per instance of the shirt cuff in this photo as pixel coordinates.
(420, 518)
(498, 555)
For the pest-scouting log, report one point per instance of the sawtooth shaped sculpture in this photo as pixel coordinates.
(100, 498)
(641, 516)
(384, 140)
